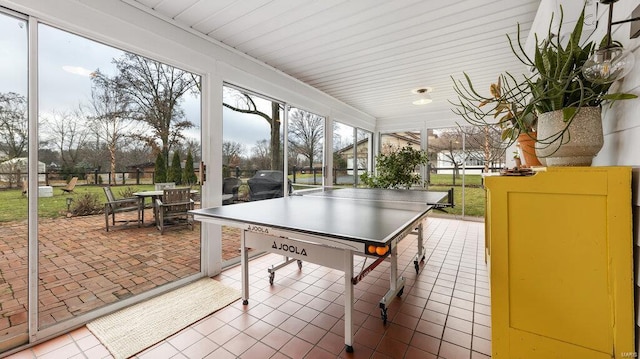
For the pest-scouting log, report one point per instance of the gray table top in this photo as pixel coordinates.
(361, 215)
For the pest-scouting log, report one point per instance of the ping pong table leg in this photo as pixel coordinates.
(396, 283)
(244, 261)
(348, 299)
(421, 251)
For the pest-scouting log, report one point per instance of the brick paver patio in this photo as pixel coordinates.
(83, 267)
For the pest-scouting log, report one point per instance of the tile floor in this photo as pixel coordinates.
(443, 313)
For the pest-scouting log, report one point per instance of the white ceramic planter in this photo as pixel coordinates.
(577, 146)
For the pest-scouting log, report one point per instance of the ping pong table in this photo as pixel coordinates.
(329, 228)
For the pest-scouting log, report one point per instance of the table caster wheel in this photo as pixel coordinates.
(383, 313)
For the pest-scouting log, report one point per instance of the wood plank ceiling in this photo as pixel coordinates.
(369, 54)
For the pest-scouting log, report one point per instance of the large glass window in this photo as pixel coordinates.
(458, 157)
(364, 152)
(252, 155)
(306, 148)
(14, 172)
(352, 154)
(110, 122)
(345, 166)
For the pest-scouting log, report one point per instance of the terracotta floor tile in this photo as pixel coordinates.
(259, 329)
(296, 348)
(319, 353)
(430, 328)
(437, 307)
(185, 338)
(66, 351)
(461, 313)
(200, 349)
(459, 324)
(481, 331)
(452, 351)
(221, 353)
(331, 343)
(399, 332)
(406, 320)
(481, 345)
(160, 351)
(52, 345)
(482, 319)
(457, 337)
(425, 342)
(302, 313)
(276, 338)
(476, 355)
(275, 318)
(367, 337)
(391, 347)
(292, 325)
(223, 335)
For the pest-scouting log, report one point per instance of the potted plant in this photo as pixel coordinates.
(506, 107)
(557, 94)
(396, 169)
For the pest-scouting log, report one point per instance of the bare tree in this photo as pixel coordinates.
(488, 139)
(13, 124)
(244, 103)
(448, 146)
(65, 131)
(155, 91)
(189, 145)
(306, 133)
(109, 113)
(231, 153)
(261, 155)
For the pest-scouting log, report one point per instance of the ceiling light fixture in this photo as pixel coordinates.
(611, 62)
(423, 96)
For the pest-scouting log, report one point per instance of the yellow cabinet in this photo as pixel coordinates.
(559, 247)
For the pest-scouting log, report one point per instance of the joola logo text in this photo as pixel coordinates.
(258, 229)
(287, 248)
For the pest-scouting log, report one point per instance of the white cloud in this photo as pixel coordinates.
(77, 70)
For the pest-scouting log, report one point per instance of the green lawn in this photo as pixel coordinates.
(447, 180)
(474, 198)
(13, 205)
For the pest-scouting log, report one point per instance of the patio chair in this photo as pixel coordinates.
(173, 208)
(163, 185)
(231, 185)
(113, 206)
(70, 186)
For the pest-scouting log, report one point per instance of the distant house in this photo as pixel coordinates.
(15, 170)
(390, 142)
(147, 169)
(363, 153)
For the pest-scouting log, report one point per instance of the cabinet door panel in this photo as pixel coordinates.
(558, 271)
(561, 268)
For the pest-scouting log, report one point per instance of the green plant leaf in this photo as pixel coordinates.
(568, 113)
